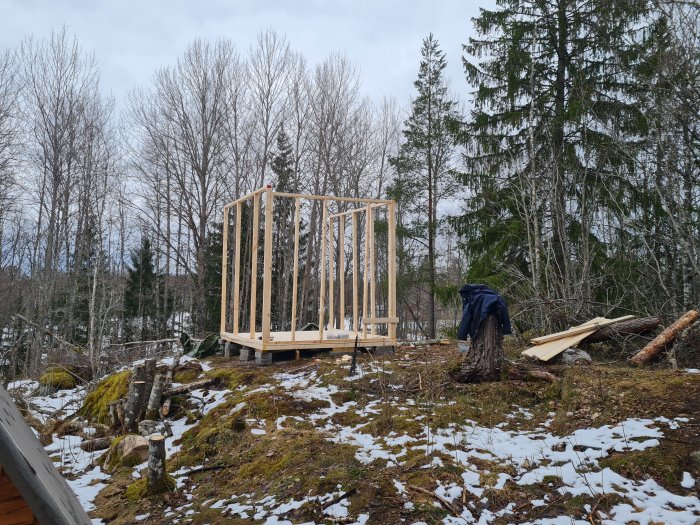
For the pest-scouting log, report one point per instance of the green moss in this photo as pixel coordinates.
(58, 379)
(185, 376)
(139, 489)
(96, 404)
(664, 463)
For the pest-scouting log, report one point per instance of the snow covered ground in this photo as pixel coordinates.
(571, 463)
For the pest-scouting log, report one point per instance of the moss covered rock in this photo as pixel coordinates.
(58, 380)
(110, 389)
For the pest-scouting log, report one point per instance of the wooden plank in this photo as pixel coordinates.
(331, 275)
(295, 272)
(365, 276)
(306, 340)
(254, 263)
(358, 210)
(267, 269)
(372, 269)
(244, 198)
(309, 196)
(341, 273)
(598, 322)
(546, 351)
(322, 298)
(391, 267)
(355, 274)
(237, 267)
(224, 271)
(380, 320)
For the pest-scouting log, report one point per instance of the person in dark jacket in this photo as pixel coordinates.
(478, 302)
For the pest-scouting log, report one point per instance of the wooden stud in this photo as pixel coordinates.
(224, 272)
(331, 275)
(267, 269)
(237, 268)
(295, 272)
(355, 274)
(365, 277)
(341, 272)
(359, 210)
(324, 221)
(372, 269)
(391, 266)
(254, 263)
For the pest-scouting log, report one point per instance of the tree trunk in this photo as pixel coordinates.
(485, 358)
(92, 445)
(157, 481)
(153, 408)
(647, 353)
(135, 403)
(633, 326)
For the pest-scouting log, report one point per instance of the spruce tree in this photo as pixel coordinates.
(142, 288)
(550, 139)
(423, 165)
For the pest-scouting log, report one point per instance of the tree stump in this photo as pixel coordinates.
(135, 404)
(153, 407)
(158, 480)
(484, 360)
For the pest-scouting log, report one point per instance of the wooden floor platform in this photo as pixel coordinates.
(307, 340)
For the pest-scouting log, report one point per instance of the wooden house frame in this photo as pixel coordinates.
(361, 321)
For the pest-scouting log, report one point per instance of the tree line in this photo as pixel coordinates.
(570, 182)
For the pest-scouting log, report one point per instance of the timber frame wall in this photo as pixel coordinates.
(363, 325)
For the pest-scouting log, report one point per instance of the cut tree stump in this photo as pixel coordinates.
(157, 481)
(92, 445)
(153, 407)
(135, 403)
(647, 353)
(633, 326)
(484, 360)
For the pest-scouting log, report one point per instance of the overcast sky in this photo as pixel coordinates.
(131, 38)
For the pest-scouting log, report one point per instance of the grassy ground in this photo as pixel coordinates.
(297, 457)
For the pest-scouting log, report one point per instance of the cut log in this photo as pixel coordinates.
(593, 324)
(647, 353)
(153, 407)
(167, 384)
(485, 358)
(157, 481)
(524, 373)
(92, 445)
(135, 403)
(630, 327)
(182, 389)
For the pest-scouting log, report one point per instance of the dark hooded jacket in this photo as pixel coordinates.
(478, 302)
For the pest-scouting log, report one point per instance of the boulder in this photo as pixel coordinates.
(133, 446)
(574, 356)
(148, 427)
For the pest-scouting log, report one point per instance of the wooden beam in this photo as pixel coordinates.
(355, 274)
(267, 269)
(322, 298)
(372, 269)
(391, 267)
(380, 320)
(295, 272)
(254, 263)
(237, 267)
(365, 277)
(326, 198)
(341, 272)
(331, 275)
(224, 271)
(244, 198)
(357, 210)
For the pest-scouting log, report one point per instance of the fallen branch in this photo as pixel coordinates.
(647, 353)
(445, 504)
(92, 445)
(183, 389)
(523, 373)
(339, 498)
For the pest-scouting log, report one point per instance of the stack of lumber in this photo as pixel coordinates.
(549, 346)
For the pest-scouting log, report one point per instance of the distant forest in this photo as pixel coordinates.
(567, 176)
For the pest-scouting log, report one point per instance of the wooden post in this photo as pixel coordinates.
(267, 271)
(341, 272)
(391, 267)
(331, 275)
(254, 263)
(224, 271)
(372, 270)
(365, 285)
(157, 480)
(324, 221)
(355, 274)
(295, 272)
(236, 269)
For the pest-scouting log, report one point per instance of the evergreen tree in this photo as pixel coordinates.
(142, 288)
(214, 249)
(423, 166)
(550, 139)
